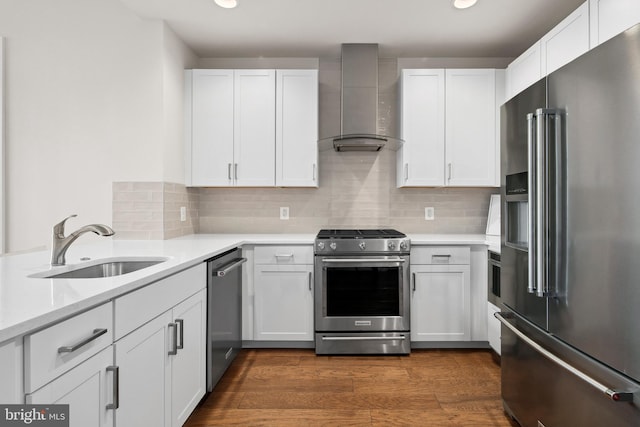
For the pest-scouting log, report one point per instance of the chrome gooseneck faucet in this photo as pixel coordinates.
(60, 243)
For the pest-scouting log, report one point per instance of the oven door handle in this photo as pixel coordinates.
(361, 260)
(364, 338)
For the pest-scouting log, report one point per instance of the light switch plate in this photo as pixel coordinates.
(183, 213)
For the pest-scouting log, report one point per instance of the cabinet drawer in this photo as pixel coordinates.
(58, 348)
(135, 309)
(458, 255)
(299, 254)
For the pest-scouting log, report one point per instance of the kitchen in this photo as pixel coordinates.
(143, 134)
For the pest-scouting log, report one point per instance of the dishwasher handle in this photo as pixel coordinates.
(225, 269)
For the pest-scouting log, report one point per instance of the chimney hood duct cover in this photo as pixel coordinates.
(359, 102)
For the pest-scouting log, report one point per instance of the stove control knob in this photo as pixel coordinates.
(403, 245)
(362, 245)
(332, 246)
(392, 245)
(321, 245)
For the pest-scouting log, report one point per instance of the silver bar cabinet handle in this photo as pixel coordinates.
(116, 387)
(531, 200)
(310, 280)
(229, 171)
(616, 396)
(413, 276)
(449, 167)
(314, 172)
(228, 267)
(180, 344)
(71, 348)
(235, 171)
(174, 327)
(406, 172)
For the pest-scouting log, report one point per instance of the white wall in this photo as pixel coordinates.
(87, 104)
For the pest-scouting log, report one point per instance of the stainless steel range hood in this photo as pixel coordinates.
(359, 130)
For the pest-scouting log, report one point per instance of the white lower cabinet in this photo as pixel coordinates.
(284, 303)
(162, 367)
(440, 294)
(11, 372)
(493, 327)
(440, 309)
(283, 289)
(87, 389)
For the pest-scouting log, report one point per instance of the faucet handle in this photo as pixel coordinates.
(58, 229)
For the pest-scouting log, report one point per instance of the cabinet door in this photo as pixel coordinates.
(297, 128)
(188, 368)
(144, 385)
(87, 389)
(283, 302)
(440, 303)
(611, 17)
(566, 41)
(470, 127)
(421, 157)
(493, 327)
(254, 128)
(211, 147)
(11, 372)
(524, 71)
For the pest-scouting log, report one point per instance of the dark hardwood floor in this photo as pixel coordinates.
(298, 388)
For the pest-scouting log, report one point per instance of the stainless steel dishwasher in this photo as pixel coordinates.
(224, 313)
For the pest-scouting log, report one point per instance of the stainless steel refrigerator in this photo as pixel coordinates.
(571, 243)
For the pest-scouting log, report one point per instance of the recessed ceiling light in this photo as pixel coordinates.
(227, 4)
(463, 4)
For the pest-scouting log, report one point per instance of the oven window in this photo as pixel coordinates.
(363, 291)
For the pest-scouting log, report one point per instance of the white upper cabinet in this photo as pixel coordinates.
(244, 129)
(566, 41)
(524, 71)
(209, 147)
(449, 128)
(297, 128)
(611, 17)
(254, 128)
(471, 127)
(421, 158)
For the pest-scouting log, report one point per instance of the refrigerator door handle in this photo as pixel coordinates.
(531, 201)
(547, 128)
(616, 396)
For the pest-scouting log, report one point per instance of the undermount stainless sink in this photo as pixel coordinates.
(107, 267)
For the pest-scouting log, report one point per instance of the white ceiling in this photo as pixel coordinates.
(317, 28)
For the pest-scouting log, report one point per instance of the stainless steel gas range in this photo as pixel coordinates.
(362, 292)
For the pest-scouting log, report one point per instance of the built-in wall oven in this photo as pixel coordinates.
(362, 292)
(493, 291)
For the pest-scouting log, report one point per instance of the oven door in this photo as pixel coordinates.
(362, 293)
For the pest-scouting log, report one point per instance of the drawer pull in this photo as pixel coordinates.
(71, 348)
(284, 255)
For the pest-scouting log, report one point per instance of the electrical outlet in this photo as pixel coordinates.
(183, 213)
(429, 214)
(284, 212)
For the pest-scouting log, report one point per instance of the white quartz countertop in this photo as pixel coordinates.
(28, 304)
